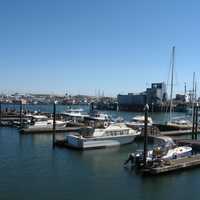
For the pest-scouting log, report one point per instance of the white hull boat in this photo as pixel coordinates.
(42, 122)
(114, 135)
(138, 122)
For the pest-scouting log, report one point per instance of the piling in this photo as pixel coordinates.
(54, 123)
(0, 113)
(196, 122)
(145, 134)
(21, 122)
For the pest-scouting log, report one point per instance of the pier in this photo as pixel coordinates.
(50, 130)
(174, 165)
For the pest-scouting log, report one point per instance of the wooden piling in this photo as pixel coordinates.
(54, 124)
(21, 122)
(0, 113)
(145, 135)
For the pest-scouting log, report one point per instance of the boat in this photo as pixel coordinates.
(97, 116)
(114, 135)
(42, 121)
(160, 153)
(138, 122)
(75, 115)
(180, 124)
(173, 123)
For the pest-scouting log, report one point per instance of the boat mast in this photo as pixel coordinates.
(193, 94)
(172, 83)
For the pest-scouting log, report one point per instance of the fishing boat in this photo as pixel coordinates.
(113, 135)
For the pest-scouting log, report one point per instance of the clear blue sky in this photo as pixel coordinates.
(85, 45)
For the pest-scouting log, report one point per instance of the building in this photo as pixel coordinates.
(156, 95)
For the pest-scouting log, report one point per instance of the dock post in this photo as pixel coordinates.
(0, 113)
(20, 110)
(196, 121)
(54, 123)
(146, 109)
(193, 122)
(91, 107)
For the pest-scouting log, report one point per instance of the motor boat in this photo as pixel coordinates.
(96, 116)
(138, 122)
(114, 135)
(180, 124)
(162, 154)
(75, 115)
(42, 121)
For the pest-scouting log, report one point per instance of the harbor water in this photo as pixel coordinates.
(31, 169)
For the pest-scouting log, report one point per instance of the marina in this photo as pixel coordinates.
(99, 100)
(102, 153)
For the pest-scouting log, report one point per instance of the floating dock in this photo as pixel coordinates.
(176, 133)
(174, 165)
(50, 130)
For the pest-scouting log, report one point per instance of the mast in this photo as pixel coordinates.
(193, 94)
(172, 83)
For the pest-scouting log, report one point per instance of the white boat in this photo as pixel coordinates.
(75, 114)
(176, 123)
(138, 121)
(164, 154)
(178, 152)
(98, 117)
(42, 121)
(114, 135)
(180, 124)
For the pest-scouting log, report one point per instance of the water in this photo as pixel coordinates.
(31, 169)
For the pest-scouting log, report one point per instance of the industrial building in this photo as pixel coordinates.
(154, 96)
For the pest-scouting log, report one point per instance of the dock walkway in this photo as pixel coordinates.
(174, 165)
(50, 130)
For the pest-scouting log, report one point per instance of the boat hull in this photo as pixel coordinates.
(95, 143)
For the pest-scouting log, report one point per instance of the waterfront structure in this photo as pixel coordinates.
(154, 96)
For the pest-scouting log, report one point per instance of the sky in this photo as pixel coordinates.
(83, 46)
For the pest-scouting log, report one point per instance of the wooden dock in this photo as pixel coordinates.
(176, 133)
(174, 165)
(50, 130)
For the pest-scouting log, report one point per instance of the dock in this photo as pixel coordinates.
(174, 165)
(50, 130)
(176, 132)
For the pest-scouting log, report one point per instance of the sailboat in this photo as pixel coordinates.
(176, 123)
